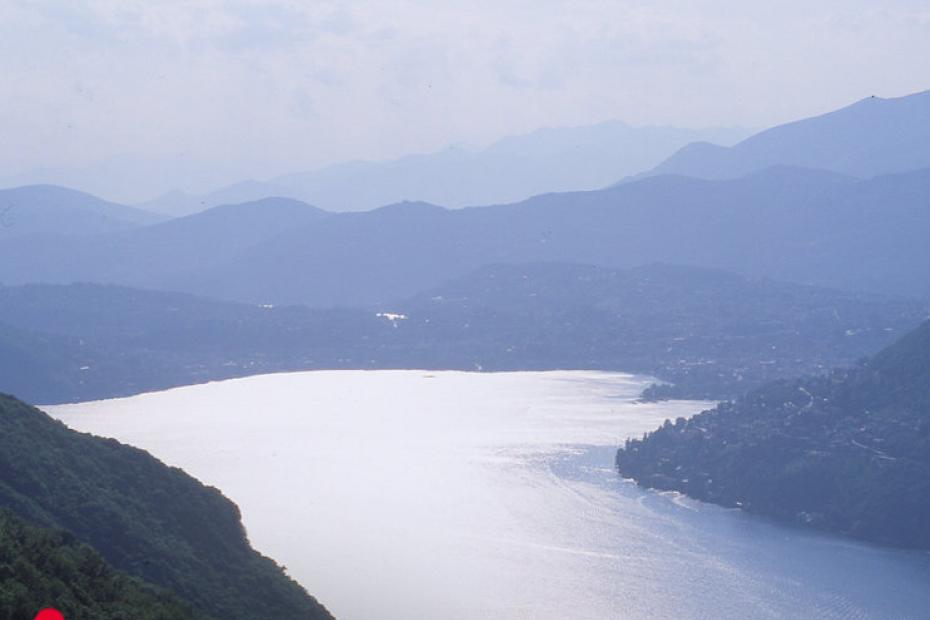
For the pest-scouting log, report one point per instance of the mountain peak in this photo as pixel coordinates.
(870, 137)
(54, 209)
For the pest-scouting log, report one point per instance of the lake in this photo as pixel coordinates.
(453, 495)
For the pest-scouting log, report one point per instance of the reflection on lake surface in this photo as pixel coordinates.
(418, 494)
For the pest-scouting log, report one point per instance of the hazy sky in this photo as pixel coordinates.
(270, 86)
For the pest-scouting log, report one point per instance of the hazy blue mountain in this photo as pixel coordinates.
(789, 224)
(514, 168)
(869, 138)
(146, 254)
(133, 178)
(846, 452)
(113, 497)
(48, 209)
(178, 203)
(230, 227)
(712, 333)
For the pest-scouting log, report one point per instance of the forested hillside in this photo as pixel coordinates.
(41, 568)
(151, 521)
(848, 452)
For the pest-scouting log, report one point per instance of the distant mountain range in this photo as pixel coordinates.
(870, 138)
(806, 225)
(848, 452)
(514, 168)
(47, 209)
(147, 253)
(144, 518)
(784, 223)
(713, 334)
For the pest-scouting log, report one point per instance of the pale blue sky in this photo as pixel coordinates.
(256, 88)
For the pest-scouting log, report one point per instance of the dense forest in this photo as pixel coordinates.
(42, 567)
(148, 520)
(847, 452)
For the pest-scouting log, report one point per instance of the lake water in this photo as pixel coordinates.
(448, 495)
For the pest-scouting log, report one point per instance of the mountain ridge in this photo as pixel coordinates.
(51, 209)
(789, 224)
(871, 137)
(512, 168)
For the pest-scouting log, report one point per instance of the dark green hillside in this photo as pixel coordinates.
(847, 453)
(48, 568)
(149, 520)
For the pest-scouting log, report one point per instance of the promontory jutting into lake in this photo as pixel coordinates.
(421, 494)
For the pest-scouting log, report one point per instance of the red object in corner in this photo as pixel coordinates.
(49, 614)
